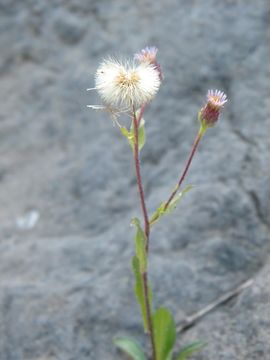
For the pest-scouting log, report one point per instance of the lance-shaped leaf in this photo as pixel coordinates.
(130, 347)
(190, 349)
(139, 291)
(140, 245)
(164, 333)
(125, 131)
(131, 137)
(161, 210)
(141, 134)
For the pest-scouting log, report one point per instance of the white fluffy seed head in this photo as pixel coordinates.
(126, 84)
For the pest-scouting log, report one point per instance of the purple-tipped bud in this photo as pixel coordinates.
(149, 55)
(209, 114)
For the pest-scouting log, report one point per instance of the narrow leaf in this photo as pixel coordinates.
(164, 333)
(157, 214)
(130, 347)
(140, 245)
(139, 291)
(169, 357)
(128, 135)
(177, 198)
(161, 209)
(141, 134)
(125, 131)
(190, 349)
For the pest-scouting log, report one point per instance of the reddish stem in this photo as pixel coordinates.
(182, 177)
(146, 228)
(139, 180)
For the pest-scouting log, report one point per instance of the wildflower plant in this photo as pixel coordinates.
(128, 87)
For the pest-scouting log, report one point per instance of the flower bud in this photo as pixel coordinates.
(149, 55)
(209, 114)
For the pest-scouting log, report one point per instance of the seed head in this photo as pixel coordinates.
(209, 114)
(124, 84)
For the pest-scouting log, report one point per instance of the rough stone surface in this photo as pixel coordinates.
(67, 186)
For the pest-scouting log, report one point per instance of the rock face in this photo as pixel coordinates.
(67, 186)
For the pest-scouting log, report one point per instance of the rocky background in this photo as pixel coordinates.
(67, 185)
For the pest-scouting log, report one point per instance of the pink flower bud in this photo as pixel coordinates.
(209, 114)
(149, 55)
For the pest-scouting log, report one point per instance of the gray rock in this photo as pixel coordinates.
(69, 28)
(66, 282)
(240, 329)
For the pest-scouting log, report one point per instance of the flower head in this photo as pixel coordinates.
(125, 84)
(216, 98)
(209, 114)
(149, 55)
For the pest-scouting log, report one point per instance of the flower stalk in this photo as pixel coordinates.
(198, 138)
(146, 229)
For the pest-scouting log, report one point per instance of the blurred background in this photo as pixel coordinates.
(68, 190)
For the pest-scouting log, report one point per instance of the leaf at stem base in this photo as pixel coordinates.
(130, 347)
(190, 349)
(164, 333)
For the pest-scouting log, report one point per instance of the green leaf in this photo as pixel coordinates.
(164, 333)
(157, 214)
(140, 245)
(169, 357)
(139, 291)
(139, 265)
(177, 198)
(130, 347)
(161, 209)
(128, 135)
(125, 131)
(190, 349)
(141, 134)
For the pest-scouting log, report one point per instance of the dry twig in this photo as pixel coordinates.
(194, 318)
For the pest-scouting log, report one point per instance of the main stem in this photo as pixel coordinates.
(183, 175)
(146, 230)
